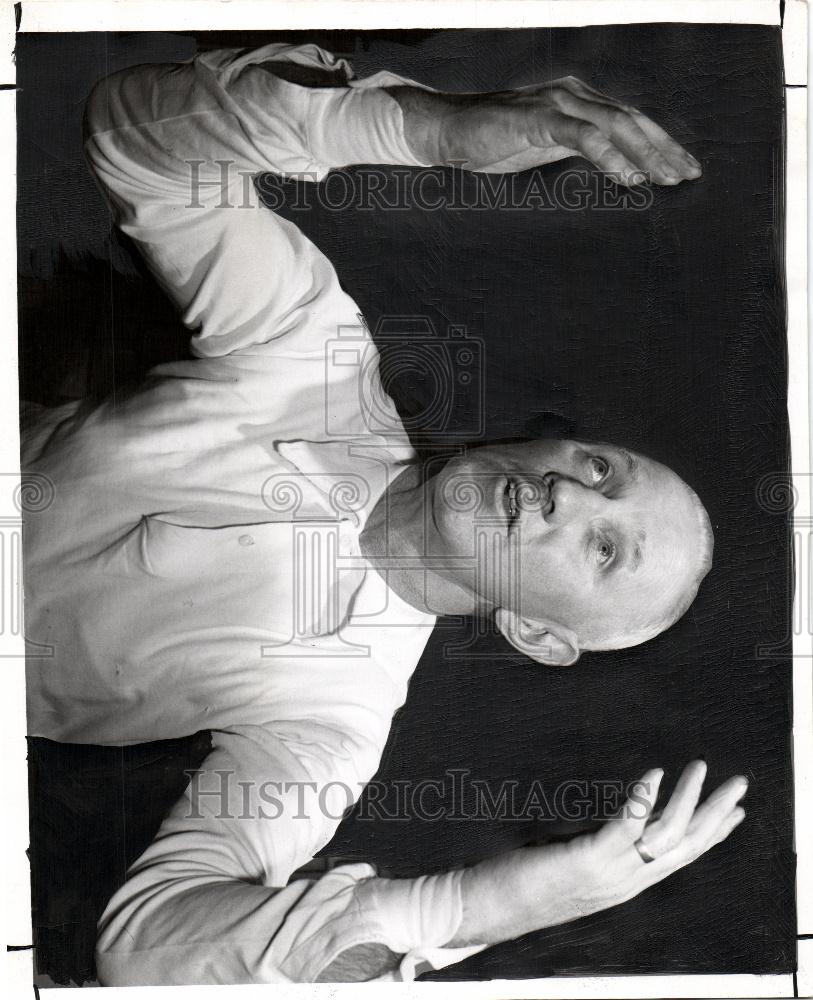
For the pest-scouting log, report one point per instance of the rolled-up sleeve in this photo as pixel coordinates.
(210, 900)
(175, 149)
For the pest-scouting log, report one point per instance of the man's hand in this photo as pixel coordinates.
(537, 887)
(518, 129)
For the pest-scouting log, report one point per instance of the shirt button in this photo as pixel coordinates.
(245, 540)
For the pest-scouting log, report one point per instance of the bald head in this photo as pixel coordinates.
(599, 548)
(686, 548)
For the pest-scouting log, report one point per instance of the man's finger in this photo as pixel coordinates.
(658, 135)
(582, 89)
(736, 817)
(669, 830)
(679, 157)
(712, 822)
(665, 142)
(622, 130)
(587, 140)
(638, 138)
(628, 825)
(686, 852)
(716, 808)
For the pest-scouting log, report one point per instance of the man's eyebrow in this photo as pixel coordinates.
(631, 552)
(636, 552)
(632, 463)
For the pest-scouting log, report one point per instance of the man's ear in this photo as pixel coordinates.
(546, 642)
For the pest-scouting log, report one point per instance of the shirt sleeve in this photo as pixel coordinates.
(175, 149)
(208, 902)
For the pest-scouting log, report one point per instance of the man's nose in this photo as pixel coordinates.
(571, 497)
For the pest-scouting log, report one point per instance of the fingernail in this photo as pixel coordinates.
(693, 161)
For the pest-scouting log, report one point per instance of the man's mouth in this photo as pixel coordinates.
(518, 495)
(510, 502)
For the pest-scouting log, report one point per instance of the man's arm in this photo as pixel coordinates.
(176, 147)
(211, 899)
(536, 887)
(518, 129)
(206, 901)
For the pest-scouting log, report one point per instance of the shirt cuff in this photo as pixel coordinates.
(414, 918)
(417, 918)
(357, 124)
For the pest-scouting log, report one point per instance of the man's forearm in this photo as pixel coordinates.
(470, 130)
(496, 900)
(513, 130)
(536, 887)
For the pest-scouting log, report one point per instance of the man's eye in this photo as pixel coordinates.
(605, 550)
(599, 469)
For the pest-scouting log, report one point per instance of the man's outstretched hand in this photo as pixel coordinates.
(536, 887)
(519, 129)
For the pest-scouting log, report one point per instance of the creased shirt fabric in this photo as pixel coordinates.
(199, 566)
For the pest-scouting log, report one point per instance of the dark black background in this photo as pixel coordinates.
(660, 329)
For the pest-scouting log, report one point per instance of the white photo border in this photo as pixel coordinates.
(174, 15)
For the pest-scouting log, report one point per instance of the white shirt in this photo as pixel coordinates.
(199, 566)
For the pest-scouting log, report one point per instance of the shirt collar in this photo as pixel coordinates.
(338, 480)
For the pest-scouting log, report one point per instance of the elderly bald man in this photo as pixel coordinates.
(233, 546)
